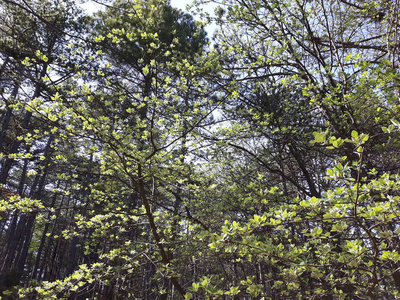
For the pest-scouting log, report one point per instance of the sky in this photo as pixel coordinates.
(180, 3)
(209, 8)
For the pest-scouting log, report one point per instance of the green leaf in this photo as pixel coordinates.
(395, 122)
(354, 134)
(319, 137)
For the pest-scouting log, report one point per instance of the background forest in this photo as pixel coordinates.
(141, 159)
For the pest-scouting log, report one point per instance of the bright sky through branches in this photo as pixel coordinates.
(209, 8)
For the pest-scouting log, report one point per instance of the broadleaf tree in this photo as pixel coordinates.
(140, 161)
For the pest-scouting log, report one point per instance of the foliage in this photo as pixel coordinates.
(139, 161)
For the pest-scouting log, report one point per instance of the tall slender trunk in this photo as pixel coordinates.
(43, 240)
(14, 235)
(15, 215)
(46, 255)
(164, 256)
(35, 192)
(310, 181)
(10, 254)
(21, 234)
(16, 144)
(7, 117)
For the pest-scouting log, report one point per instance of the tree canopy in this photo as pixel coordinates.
(141, 159)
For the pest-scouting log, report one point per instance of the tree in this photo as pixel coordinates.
(303, 71)
(129, 122)
(165, 168)
(32, 48)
